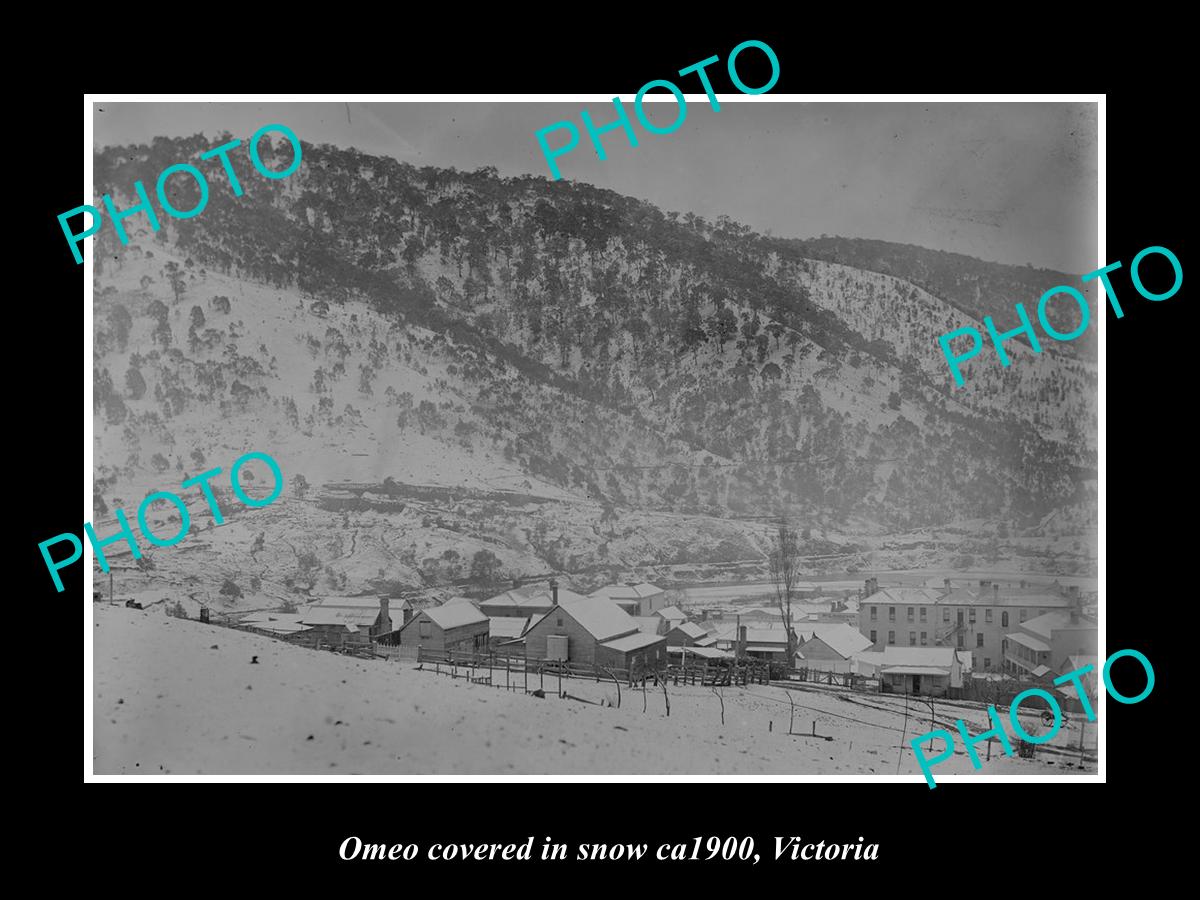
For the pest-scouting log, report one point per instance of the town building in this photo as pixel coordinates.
(346, 621)
(594, 631)
(1044, 646)
(685, 634)
(976, 618)
(757, 643)
(636, 599)
(531, 600)
(460, 627)
(929, 671)
(673, 614)
(829, 648)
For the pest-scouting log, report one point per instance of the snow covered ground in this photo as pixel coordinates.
(173, 696)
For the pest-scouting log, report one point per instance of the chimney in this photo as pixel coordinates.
(996, 591)
(946, 582)
(385, 620)
(704, 615)
(406, 613)
(554, 591)
(204, 614)
(741, 642)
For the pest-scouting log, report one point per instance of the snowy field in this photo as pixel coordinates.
(174, 696)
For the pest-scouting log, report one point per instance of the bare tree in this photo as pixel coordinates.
(784, 563)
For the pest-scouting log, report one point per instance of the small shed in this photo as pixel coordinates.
(685, 634)
(452, 626)
(634, 652)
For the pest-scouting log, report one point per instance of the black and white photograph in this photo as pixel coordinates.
(410, 458)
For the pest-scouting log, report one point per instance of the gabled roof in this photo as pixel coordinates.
(706, 641)
(841, 638)
(628, 591)
(671, 613)
(691, 629)
(537, 600)
(600, 617)
(452, 615)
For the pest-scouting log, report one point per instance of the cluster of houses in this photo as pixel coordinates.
(915, 640)
(925, 640)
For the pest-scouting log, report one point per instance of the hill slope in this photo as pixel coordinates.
(605, 364)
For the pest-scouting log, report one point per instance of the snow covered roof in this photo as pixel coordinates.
(453, 615)
(671, 613)
(841, 638)
(702, 652)
(1003, 597)
(628, 591)
(706, 641)
(691, 629)
(537, 600)
(1026, 640)
(766, 648)
(600, 617)
(922, 657)
(632, 642)
(914, 670)
(507, 626)
(350, 616)
(902, 595)
(279, 623)
(648, 624)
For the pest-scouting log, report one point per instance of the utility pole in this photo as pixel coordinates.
(111, 598)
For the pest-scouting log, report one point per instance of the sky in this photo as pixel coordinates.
(1006, 182)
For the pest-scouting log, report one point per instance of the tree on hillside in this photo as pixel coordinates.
(784, 561)
(175, 279)
(485, 567)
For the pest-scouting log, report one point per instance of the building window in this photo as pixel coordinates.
(1004, 619)
(910, 614)
(560, 621)
(987, 662)
(924, 636)
(873, 638)
(891, 637)
(960, 640)
(946, 614)
(891, 614)
(912, 639)
(923, 612)
(1021, 616)
(971, 617)
(979, 639)
(874, 613)
(987, 615)
(423, 629)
